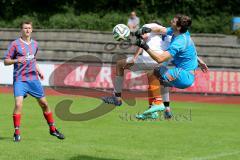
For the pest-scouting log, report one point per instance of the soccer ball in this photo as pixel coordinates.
(121, 32)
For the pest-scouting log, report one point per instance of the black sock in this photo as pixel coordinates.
(118, 94)
(166, 104)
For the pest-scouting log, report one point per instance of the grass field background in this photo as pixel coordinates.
(211, 131)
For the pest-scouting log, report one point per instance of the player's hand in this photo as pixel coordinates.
(40, 74)
(203, 66)
(141, 43)
(129, 63)
(142, 31)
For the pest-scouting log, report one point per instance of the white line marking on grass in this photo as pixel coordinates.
(216, 156)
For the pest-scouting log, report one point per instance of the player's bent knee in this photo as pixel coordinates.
(43, 102)
(160, 71)
(19, 105)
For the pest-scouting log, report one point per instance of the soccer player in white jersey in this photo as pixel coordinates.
(142, 62)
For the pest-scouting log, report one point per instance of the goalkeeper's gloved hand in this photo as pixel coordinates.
(141, 43)
(142, 31)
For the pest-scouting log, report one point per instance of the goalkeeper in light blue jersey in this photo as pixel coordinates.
(183, 52)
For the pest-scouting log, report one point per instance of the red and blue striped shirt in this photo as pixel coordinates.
(20, 49)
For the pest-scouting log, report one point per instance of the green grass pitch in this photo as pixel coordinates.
(210, 131)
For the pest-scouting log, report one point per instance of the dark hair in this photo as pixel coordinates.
(25, 22)
(184, 22)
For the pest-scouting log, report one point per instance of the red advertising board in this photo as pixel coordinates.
(95, 76)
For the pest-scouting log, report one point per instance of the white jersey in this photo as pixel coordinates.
(155, 41)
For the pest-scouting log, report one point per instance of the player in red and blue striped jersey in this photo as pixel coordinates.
(22, 54)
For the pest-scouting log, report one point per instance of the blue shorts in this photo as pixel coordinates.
(33, 88)
(174, 77)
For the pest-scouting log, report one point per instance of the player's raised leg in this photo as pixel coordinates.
(118, 84)
(49, 118)
(121, 65)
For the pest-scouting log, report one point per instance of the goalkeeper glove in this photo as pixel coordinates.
(142, 31)
(141, 43)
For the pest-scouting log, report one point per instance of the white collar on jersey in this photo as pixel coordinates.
(25, 41)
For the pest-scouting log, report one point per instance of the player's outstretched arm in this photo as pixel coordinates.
(159, 29)
(156, 28)
(202, 65)
(159, 58)
(132, 61)
(137, 53)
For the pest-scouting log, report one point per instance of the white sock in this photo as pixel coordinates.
(165, 94)
(118, 84)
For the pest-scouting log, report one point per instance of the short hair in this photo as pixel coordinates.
(25, 22)
(184, 22)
